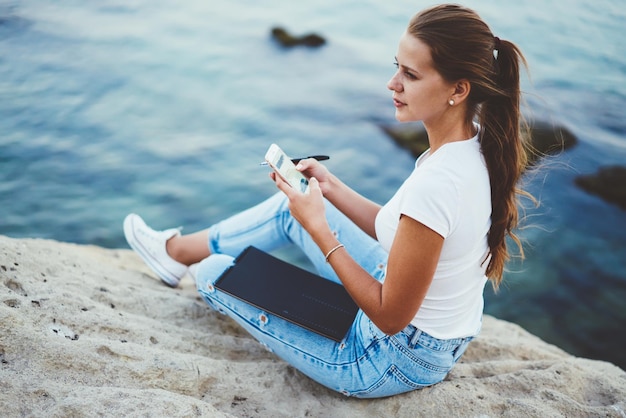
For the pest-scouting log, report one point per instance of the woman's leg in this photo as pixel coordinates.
(366, 363)
(264, 226)
(269, 226)
(189, 249)
(328, 362)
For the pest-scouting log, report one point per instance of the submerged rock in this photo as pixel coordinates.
(287, 40)
(409, 136)
(545, 138)
(609, 183)
(549, 139)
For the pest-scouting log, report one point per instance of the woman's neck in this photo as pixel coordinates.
(442, 134)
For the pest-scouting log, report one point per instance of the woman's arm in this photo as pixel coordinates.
(355, 206)
(411, 266)
(413, 258)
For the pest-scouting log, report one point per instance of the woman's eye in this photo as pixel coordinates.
(407, 74)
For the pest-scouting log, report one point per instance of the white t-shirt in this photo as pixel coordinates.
(449, 192)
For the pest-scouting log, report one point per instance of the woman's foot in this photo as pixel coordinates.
(151, 247)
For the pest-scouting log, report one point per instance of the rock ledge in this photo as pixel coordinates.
(86, 331)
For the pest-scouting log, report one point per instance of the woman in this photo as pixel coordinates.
(417, 266)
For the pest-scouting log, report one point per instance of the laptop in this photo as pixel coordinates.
(290, 292)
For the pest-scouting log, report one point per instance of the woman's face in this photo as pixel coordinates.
(419, 92)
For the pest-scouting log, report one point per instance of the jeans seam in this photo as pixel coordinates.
(416, 359)
(392, 371)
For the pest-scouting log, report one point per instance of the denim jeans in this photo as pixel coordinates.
(367, 363)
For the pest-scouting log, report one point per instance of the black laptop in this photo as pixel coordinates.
(290, 292)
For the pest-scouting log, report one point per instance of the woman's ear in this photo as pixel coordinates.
(461, 90)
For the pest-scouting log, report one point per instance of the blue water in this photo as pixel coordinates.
(166, 109)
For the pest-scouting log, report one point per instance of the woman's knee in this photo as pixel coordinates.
(210, 269)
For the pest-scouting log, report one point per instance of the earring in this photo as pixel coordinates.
(451, 102)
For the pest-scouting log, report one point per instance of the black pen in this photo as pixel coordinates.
(297, 160)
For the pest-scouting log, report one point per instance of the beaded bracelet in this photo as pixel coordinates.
(335, 248)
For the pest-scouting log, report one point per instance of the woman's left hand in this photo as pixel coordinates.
(307, 208)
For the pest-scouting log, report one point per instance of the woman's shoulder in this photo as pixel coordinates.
(454, 156)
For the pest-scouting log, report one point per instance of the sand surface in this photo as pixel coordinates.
(87, 331)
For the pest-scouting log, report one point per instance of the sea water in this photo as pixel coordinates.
(166, 109)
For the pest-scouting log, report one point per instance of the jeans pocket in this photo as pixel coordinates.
(389, 367)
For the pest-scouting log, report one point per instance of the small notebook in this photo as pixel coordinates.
(290, 292)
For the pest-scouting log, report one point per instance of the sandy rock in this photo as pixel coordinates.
(86, 331)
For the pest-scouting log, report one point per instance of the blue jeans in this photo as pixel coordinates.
(367, 363)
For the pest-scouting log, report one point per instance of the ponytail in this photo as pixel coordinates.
(505, 156)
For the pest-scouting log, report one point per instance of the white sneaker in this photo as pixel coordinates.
(150, 245)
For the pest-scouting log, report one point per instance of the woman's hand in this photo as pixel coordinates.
(307, 208)
(359, 209)
(313, 168)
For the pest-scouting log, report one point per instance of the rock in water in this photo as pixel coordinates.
(609, 183)
(287, 40)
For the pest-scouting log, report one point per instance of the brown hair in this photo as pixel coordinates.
(463, 47)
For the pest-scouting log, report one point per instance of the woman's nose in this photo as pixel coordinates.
(394, 84)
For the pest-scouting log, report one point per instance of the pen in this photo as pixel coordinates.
(297, 160)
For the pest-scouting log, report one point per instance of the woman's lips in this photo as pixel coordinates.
(397, 103)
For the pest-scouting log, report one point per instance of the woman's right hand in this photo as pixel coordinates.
(313, 168)
(361, 210)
